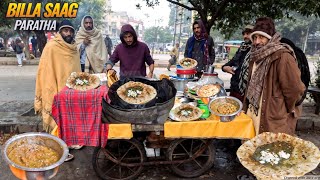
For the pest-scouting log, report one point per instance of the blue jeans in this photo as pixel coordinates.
(83, 66)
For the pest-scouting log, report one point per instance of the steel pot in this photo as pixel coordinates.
(180, 83)
(186, 71)
(26, 173)
(186, 76)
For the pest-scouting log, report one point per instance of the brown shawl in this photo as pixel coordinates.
(262, 59)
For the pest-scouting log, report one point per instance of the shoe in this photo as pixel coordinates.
(20, 65)
(69, 158)
(77, 147)
(245, 177)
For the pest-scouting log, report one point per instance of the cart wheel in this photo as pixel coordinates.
(124, 151)
(183, 149)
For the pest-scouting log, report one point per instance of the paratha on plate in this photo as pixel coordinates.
(278, 156)
(188, 63)
(185, 112)
(82, 81)
(136, 92)
(208, 90)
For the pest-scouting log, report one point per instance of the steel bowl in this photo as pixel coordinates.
(187, 76)
(26, 173)
(225, 99)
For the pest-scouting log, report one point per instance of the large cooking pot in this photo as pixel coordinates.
(118, 112)
(165, 91)
(186, 73)
(45, 139)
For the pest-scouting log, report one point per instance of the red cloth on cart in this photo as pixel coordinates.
(78, 115)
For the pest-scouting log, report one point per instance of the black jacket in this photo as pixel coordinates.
(237, 61)
(198, 54)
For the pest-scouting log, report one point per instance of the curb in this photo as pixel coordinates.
(27, 62)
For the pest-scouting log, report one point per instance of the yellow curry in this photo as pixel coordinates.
(224, 108)
(33, 155)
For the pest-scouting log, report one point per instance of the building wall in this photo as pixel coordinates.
(184, 20)
(115, 20)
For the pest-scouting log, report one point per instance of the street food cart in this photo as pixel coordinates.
(124, 148)
(186, 146)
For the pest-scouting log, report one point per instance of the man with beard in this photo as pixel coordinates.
(237, 63)
(200, 47)
(132, 54)
(91, 46)
(58, 60)
(275, 86)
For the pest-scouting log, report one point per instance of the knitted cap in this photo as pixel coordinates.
(264, 26)
(66, 23)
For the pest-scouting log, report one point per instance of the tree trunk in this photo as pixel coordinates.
(5, 39)
(41, 39)
(24, 35)
(305, 41)
(25, 39)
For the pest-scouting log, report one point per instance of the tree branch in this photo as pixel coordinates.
(218, 12)
(197, 8)
(182, 5)
(220, 9)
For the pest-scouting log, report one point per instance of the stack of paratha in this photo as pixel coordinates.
(185, 112)
(82, 81)
(278, 156)
(188, 63)
(208, 90)
(136, 92)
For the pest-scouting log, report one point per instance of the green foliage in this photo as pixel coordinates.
(94, 8)
(6, 33)
(172, 16)
(228, 15)
(163, 34)
(3, 10)
(298, 27)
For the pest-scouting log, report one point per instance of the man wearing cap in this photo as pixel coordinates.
(58, 60)
(91, 46)
(237, 63)
(274, 86)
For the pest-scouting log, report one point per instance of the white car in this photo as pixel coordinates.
(169, 46)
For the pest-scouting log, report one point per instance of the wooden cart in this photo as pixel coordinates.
(186, 146)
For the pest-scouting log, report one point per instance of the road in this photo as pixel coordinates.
(18, 83)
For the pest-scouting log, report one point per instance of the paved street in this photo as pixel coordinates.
(18, 83)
